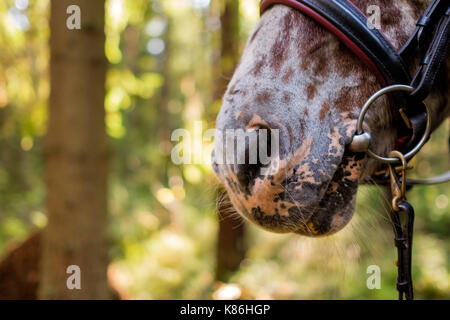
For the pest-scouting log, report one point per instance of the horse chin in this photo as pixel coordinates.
(335, 209)
(331, 216)
(316, 211)
(324, 218)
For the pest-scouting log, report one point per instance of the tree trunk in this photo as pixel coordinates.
(230, 245)
(76, 156)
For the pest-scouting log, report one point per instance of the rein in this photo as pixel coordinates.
(406, 94)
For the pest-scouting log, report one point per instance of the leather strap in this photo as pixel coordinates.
(424, 27)
(349, 24)
(430, 65)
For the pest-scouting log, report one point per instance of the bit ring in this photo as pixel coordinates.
(370, 101)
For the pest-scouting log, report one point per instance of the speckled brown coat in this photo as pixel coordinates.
(297, 77)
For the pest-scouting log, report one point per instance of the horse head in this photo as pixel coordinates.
(297, 79)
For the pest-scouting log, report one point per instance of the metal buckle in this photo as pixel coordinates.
(403, 230)
(361, 140)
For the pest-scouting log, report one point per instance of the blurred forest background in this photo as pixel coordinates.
(167, 64)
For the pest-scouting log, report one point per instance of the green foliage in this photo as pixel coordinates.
(24, 89)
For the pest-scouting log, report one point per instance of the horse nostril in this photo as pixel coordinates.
(248, 171)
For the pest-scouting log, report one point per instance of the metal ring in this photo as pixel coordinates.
(371, 100)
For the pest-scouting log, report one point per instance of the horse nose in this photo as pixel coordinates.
(253, 154)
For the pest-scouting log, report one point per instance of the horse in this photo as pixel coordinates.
(298, 79)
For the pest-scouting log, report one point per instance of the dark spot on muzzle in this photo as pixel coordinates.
(247, 172)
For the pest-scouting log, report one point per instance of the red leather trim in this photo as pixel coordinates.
(330, 27)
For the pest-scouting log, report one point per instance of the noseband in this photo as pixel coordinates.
(406, 93)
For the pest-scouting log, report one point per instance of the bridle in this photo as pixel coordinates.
(411, 116)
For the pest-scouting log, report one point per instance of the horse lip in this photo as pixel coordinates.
(314, 199)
